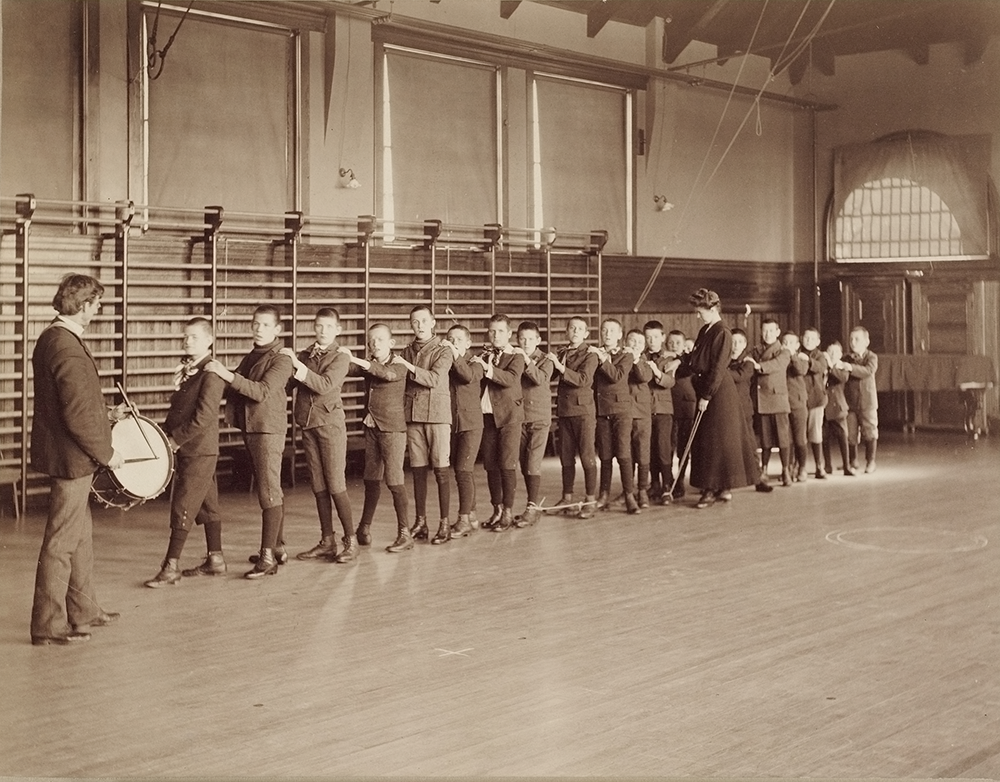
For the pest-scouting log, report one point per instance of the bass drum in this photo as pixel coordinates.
(148, 467)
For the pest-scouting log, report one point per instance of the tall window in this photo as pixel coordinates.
(912, 195)
(220, 115)
(440, 139)
(896, 218)
(582, 158)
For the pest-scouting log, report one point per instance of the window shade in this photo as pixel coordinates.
(443, 139)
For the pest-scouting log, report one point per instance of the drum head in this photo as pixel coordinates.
(149, 461)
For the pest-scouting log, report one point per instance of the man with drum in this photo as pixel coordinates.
(70, 440)
(192, 425)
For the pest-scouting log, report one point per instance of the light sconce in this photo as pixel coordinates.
(662, 204)
(347, 179)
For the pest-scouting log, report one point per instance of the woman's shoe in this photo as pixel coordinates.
(707, 498)
(724, 495)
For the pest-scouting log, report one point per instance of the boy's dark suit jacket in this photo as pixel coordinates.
(638, 389)
(611, 384)
(770, 386)
(575, 393)
(385, 393)
(262, 395)
(70, 431)
(860, 387)
(193, 418)
(662, 388)
(535, 388)
(318, 393)
(504, 389)
(466, 392)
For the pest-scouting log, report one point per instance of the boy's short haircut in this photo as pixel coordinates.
(650, 325)
(529, 325)
(613, 320)
(269, 309)
(328, 312)
(740, 331)
(813, 329)
(862, 329)
(385, 326)
(675, 333)
(786, 334)
(637, 332)
(461, 328)
(422, 308)
(769, 319)
(835, 342)
(580, 318)
(501, 318)
(203, 323)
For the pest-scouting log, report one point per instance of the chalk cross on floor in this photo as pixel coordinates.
(460, 652)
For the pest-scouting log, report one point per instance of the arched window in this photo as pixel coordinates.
(912, 195)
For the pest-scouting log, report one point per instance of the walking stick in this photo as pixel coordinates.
(687, 452)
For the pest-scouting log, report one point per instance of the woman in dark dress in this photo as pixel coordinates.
(723, 454)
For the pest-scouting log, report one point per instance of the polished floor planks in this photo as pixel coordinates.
(736, 641)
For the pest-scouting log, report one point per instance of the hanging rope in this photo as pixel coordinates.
(781, 63)
(155, 58)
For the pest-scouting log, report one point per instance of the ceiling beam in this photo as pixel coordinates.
(508, 7)
(676, 40)
(599, 15)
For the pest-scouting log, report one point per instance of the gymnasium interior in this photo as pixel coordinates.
(825, 163)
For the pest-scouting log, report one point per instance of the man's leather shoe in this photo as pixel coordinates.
(631, 505)
(104, 619)
(59, 640)
(588, 508)
(706, 499)
(642, 498)
(764, 487)
(364, 533)
(724, 496)
(786, 478)
(821, 475)
(494, 518)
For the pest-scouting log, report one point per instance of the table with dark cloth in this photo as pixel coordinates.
(932, 372)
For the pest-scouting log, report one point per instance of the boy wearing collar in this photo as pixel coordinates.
(503, 413)
(257, 405)
(192, 427)
(319, 373)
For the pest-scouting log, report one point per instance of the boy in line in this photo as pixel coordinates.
(503, 414)
(192, 427)
(685, 406)
(798, 408)
(663, 369)
(385, 433)
(835, 413)
(639, 379)
(537, 396)
(862, 398)
(465, 378)
(319, 374)
(428, 418)
(576, 412)
(815, 395)
(257, 405)
(614, 413)
(770, 402)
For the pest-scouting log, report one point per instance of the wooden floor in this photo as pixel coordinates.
(841, 628)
